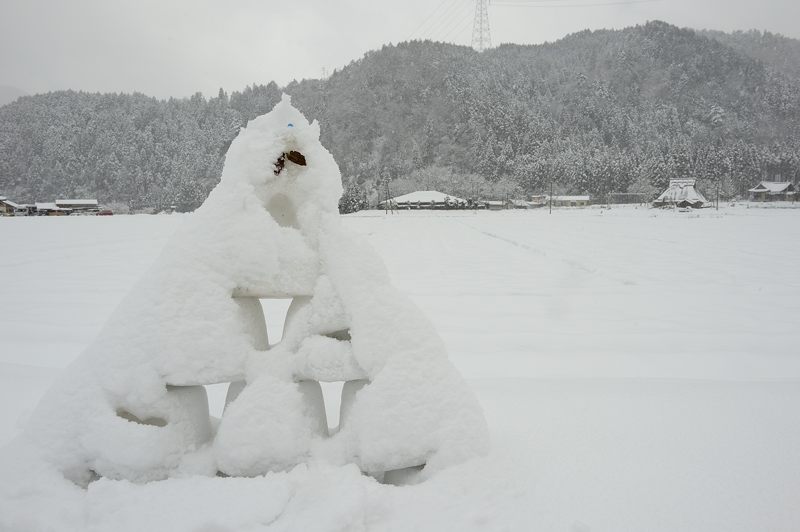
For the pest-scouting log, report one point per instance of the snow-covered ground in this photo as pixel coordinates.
(639, 370)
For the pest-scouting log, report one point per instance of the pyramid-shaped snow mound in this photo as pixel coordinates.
(134, 406)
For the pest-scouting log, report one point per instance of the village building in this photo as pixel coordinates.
(570, 201)
(681, 193)
(10, 208)
(79, 206)
(7, 207)
(518, 204)
(773, 191)
(26, 209)
(50, 209)
(424, 199)
(537, 201)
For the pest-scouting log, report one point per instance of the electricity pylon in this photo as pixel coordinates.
(481, 36)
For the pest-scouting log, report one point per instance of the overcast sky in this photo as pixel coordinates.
(178, 47)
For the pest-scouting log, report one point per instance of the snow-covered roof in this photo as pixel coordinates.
(681, 191)
(83, 202)
(773, 187)
(9, 202)
(425, 196)
(683, 182)
(571, 198)
(48, 207)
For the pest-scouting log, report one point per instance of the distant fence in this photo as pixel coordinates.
(624, 198)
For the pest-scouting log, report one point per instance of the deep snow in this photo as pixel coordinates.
(637, 368)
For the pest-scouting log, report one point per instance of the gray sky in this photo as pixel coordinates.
(177, 47)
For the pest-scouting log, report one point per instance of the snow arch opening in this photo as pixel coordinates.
(275, 311)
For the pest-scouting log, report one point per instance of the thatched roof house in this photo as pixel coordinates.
(681, 193)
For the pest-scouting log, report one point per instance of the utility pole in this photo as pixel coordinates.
(387, 205)
(551, 194)
(386, 193)
(481, 35)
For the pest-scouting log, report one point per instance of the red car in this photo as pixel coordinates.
(105, 212)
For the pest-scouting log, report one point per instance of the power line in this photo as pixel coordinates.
(459, 28)
(545, 4)
(435, 16)
(427, 19)
(448, 17)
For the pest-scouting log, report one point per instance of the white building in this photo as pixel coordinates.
(773, 191)
(570, 201)
(78, 205)
(424, 199)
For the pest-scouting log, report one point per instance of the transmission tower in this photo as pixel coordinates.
(481, 36)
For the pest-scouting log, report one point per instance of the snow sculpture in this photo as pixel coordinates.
(134, 406)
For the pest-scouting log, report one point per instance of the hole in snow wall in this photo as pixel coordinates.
(133, 418)
(191, 403)
(337, 400)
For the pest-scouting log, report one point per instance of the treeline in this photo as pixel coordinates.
(596, 112)
(126, 149)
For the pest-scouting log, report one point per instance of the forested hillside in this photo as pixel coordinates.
(779, 52)
(597, 112)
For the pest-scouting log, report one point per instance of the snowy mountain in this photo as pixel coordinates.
(598, 112)
(779, 52)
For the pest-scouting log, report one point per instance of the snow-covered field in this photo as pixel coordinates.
(638, 369)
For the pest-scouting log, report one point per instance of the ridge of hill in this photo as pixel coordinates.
(598, 112)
